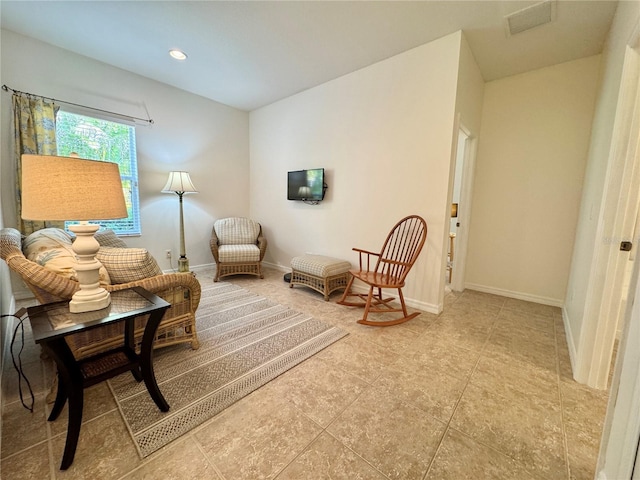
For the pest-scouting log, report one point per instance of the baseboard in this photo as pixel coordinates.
(204, 266)
(410, 302)
(282, 268)
(192, 268)
(20, 294)
(8, 327)
(554, 302)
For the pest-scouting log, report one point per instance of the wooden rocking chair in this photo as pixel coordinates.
(392, 264)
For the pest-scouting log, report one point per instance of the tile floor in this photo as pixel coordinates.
(483, 390)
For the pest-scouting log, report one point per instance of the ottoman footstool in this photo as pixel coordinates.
(323, 274)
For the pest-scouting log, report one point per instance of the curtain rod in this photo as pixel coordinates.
(6, 89)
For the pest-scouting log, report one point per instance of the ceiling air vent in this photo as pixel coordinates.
(530, 17)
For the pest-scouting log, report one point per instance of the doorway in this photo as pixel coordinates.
(460, 209)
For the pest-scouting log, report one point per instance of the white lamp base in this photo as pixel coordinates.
(91, 295)
(89, 303)
(183, 264)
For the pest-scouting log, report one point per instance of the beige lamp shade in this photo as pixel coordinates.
(179, 182)
(66, 188)
(70, 188)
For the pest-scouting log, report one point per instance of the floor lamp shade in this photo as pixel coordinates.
(67, 188)
(180, 183)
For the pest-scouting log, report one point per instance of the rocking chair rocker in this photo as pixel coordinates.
(392, 264)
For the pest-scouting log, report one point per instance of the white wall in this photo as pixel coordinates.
(532, 154)
(208, 139)
(384, 136)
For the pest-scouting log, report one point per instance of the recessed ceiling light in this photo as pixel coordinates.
(177, 54)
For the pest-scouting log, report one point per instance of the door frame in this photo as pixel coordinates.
(603, 307)
(466, 195)
(619, 455)
(464, 214)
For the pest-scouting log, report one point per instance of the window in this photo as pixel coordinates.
(107, 141)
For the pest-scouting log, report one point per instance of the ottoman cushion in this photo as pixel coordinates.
(320, 265)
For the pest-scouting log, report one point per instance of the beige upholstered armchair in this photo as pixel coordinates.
(50, 284)
(238, 247)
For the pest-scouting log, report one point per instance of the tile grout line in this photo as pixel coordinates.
(562, 412)
(52, 464)
(209, 460)
(491, 447)
(455, 408)
(325, 430)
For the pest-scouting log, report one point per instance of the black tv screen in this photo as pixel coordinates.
(306, 184)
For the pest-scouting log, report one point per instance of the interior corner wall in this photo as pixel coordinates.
(192, 133)
(383, 135)
(531, 159)
(470, 92)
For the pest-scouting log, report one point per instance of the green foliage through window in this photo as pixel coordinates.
(107, 141)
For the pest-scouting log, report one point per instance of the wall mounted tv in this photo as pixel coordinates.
(306, 185)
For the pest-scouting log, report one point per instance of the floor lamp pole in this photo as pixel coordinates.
(183, 261)
(180, 183)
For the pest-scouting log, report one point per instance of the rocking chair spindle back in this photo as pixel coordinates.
(398, 254)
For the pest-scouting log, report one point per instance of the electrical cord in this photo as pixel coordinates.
(175, 270)
(20, 315)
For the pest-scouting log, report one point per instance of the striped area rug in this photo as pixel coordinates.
(246, 341)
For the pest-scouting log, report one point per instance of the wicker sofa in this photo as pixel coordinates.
(237, 246)
(181, 290)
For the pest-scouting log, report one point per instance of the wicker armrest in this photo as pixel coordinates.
(181, 290)
(46, 285)
(162, 283)
(213, 244)
(262, 244)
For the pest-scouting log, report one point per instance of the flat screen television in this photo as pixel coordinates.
(306, 185)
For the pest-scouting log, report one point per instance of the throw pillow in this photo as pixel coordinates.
(108, 238)
(45, 239)
(51, 248)
(128, 264)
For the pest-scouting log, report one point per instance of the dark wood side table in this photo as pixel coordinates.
(52, 322)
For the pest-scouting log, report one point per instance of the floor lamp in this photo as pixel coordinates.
(66, 188)
(180, 183)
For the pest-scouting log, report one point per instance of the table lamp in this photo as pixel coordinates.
(180, 183)
(67, 188)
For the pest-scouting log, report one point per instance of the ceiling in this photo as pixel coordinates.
(249, 54)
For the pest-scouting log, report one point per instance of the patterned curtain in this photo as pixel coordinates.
(34, 121)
